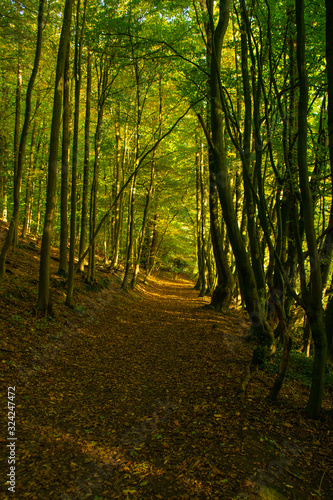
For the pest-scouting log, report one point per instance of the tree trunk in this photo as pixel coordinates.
(3, 149)
(254, 239)
(201, 285)
(246, 275)
(153, 246)
(144, 222)
(329, 237)
(139, 110)
(43, 303)
(222, 294)
(94, 196)
(4, 174)
(117, 212)
(66, 141)
(77, 75)
(19, 152)
(29, 188)
(130, 233)
(85, 191)
(313, 298)
(103, 86)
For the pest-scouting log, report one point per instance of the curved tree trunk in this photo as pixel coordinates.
(222, 294)
(263, 332)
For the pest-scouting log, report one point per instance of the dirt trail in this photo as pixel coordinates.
(140, 401)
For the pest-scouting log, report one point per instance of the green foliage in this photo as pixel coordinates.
(299, 368)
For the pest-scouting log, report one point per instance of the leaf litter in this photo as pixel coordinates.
(136, 396)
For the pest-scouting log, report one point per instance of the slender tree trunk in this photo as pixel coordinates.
(85, 191)
(202, 200)
(94, 195)
(19, 152)
(2, 170)
(154, 244)
(4, 174)
(143, 227)
(130, 233)
(39, 204)
(133, 186)
(103, 86)
(29, 188)
(43, 303)
(66, 142)
(117, 213)
(256, 257)
(78, 78)
(17, 132)
(3, 149)
(201, 285)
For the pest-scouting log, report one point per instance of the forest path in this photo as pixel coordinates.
(140, 401)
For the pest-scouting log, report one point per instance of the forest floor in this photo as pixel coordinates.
(135, 396)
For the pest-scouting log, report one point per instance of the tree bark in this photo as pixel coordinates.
(19, 152)
(85, 191)
(66, 141)
(263, 332)
(43, 303)
(29, 188)
(78, 78)
(313, 298)
(117, 209)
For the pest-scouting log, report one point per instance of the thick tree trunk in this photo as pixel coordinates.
(222, 294)
(43, 303)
